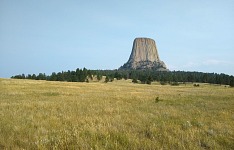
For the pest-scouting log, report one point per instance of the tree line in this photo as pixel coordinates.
(79, 75)
(144, 76)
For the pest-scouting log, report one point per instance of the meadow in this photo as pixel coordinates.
(115, 115)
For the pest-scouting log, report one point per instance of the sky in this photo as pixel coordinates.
(45, 36)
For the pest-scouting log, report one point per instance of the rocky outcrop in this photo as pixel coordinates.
(144, 56)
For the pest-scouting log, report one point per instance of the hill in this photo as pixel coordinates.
(114, 115)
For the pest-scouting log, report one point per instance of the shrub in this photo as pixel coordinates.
(148, 82)
(134, 80)
(175, 84)
(156, 99)
(107, 79)
(163, 83)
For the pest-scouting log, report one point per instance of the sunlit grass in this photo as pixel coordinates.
(116, 115)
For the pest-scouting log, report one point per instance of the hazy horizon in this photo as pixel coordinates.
(53, 36)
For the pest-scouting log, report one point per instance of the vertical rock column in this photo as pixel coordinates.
(144, 49)
(144, 56)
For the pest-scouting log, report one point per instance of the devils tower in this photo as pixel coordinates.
(144, 56)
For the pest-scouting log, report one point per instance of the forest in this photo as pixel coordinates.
(141, 76)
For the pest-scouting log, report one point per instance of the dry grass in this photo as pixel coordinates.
(118, 115)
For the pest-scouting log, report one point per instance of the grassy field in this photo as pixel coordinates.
(117, 115)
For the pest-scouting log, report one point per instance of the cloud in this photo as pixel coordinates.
(211, 62)
(191, 65)
(205, 65)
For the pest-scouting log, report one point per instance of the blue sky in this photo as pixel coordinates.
(57, 35)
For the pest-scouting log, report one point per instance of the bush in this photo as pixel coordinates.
(148, 82)
(156, 99)
(163, 83)
(175, 84)
(107, 79)
(134, 81)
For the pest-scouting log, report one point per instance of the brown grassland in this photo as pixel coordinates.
(115, 115)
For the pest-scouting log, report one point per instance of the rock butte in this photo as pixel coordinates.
(144, 56)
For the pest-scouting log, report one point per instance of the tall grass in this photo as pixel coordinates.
(117, 115)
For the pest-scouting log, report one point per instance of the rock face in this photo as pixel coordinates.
(144, 56)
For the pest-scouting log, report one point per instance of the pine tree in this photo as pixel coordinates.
(107, 79)
(231, 81)
(99, 77)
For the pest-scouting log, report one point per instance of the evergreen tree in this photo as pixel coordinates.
(74, 77)
(29, 76)
(107, 79)
(60, 77)
(53, 77)
(41, 76)
(231, 81)
(99, 77)
(34, 76)
(23, 76)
